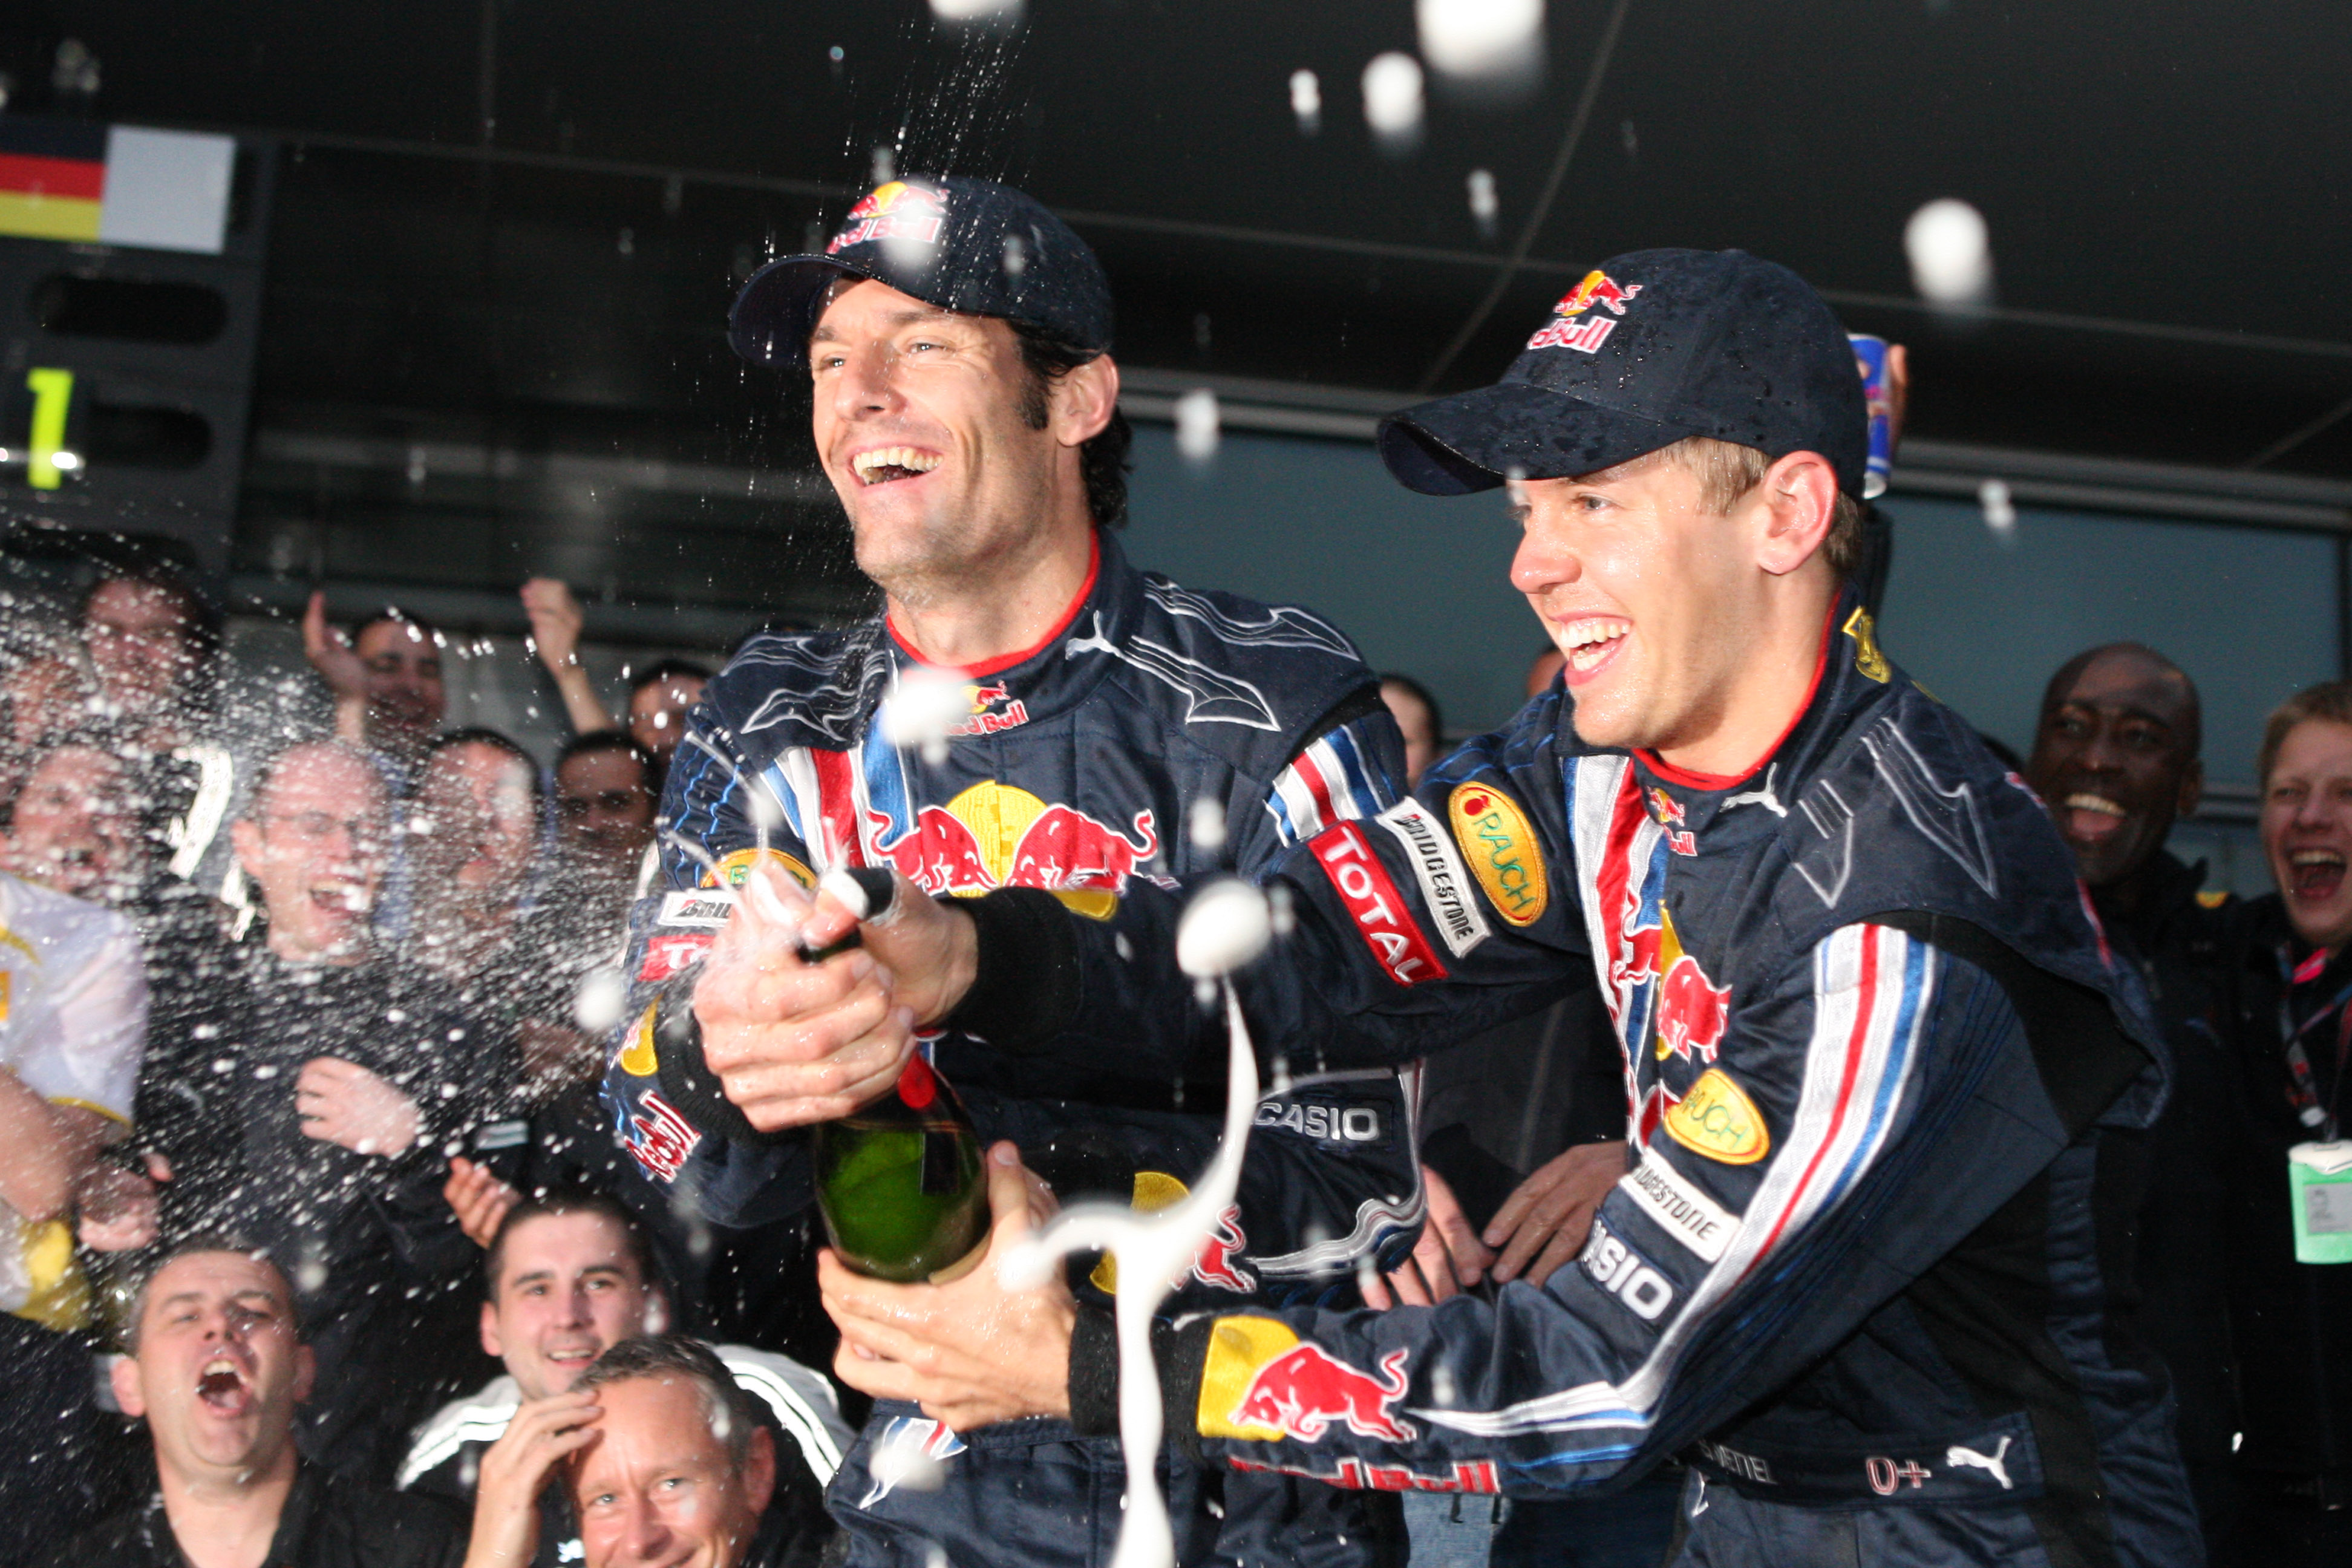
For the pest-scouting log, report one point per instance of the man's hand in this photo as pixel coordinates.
(971, 1351)
(119, 1211)
(342, 1103)
(1448, 1258)
(1898, 393)
(555, 621)
(793, 1042)
(1546, 1219)
(515, 1470)
(480, 1198)
(930, 947)
(330, 653)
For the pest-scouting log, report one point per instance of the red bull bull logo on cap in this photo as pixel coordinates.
(898, 210)
(1586, 336)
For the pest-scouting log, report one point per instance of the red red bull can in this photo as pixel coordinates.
(1870, 359)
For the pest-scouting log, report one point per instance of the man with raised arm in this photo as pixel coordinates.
(1884, 1080)
(1108, 730)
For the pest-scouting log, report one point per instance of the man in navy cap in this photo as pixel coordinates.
(1885, 1086)
(1103, 730)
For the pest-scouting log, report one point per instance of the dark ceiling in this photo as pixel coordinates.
(517, 224)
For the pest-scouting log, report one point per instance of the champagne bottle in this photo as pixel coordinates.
(899, 1181)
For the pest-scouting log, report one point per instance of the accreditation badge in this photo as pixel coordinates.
(2319, 1181)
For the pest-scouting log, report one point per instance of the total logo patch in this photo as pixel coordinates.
(668, 956)
(1382, 917)
(1500, 844)
(1717, 1119)
(1586, 336)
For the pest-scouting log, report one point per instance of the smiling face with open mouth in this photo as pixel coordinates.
(73, 829)
(2115, 759)
(924, 420)
(2307, 829)
(217, 1368)
(568, 1286)
(315, 844)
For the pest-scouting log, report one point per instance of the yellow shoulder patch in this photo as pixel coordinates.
(1154, 1191)
(732, 869)
(1238, 1349)
(2207, 899)
(1717, 1119)
(1866, 656)
(638, 1058)
(1095, 903)
(1500, 844)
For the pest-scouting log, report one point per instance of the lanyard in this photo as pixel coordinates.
(2304, 1094)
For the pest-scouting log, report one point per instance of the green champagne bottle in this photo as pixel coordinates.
(899, 1181)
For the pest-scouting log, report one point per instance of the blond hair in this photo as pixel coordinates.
(2330, 700)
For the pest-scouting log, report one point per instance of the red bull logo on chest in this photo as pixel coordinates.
(1586, 336)
(1000, 835)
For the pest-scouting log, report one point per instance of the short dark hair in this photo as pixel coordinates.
(187, 1246)
(198, 617)
(100, 737)
(734, 1414)
(395, 616)
(266, 776)
(477, 735)
(596, 741)
(2062, 681)
(1420, 694)
(1102, 460)
(554, 1202)
(683, 668)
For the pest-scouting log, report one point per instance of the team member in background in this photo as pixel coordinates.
(217, 1367)
(2291, 979)
(660, 696)
(385, 674)
(1883, 1075)
(568, 1276)
(1417, 718)
(1111, 728)
(2115, 760)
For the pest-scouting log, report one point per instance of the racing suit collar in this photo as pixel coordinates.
(1684, 778)
(1013, 660)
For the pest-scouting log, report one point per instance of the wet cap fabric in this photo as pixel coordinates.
(1649, 348)
(967, 246)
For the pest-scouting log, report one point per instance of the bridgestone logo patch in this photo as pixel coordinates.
(1681, 1211)
(1445, 887)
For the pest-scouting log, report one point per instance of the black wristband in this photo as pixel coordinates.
(1025, 989)
(686, 1079)
(1180, 1351)
(1094, 1371)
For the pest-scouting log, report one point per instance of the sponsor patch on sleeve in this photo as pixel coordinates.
(1445, 887)
(1382, 917)
(638, 1058)
(1681, 1210)
(659, 1139)
(705, 907)
(668, 956)
(1626, 1274)
(1717, 1119)
(732, 869)
(1500, 844)
(1256, 1386)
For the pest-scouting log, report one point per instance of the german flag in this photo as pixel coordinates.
(52, 178)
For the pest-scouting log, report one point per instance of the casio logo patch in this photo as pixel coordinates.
(1326, 1123)
(1626, 1275)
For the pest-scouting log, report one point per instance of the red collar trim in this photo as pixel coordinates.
(1711, 781)
(998, 665)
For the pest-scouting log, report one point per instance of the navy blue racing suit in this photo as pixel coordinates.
(1079, 770)
(1886, 1094)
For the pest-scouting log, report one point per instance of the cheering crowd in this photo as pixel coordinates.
(402, 1145)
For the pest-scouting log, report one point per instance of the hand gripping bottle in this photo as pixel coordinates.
(899, 1181)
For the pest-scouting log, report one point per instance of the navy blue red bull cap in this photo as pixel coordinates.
(967, 246)
(1651, 347)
